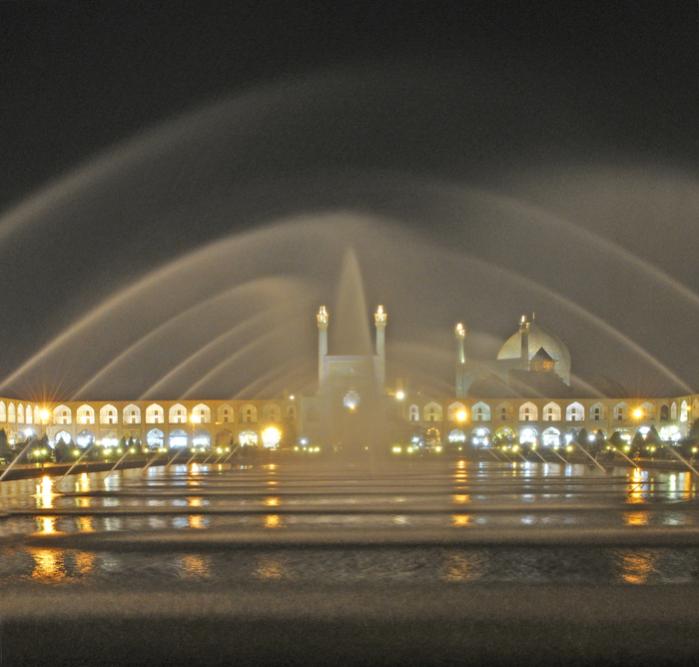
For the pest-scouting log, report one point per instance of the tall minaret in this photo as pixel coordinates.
(460, 334)
(322, 318)
(380, 319)
(524, 342)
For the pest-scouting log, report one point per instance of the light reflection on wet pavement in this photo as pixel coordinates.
(320, 503)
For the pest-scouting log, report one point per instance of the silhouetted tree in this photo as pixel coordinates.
(616, 440)
(5, 449)
(637, 443)
(653, 437)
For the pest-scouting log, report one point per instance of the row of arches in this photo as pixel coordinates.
(20, 413)
(550, 436)
(156, 438)
(178, 413)
(551, 412)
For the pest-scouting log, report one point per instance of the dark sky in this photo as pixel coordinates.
(478, 126)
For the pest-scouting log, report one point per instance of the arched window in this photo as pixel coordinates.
(597, 412)
(85, 438)
(177, 414)
(155, 414)
(551, 437)
(201, 439)
(684, 411)
(108, 414)
(620, 412)
(155, 438)
(528, 412)
(11, 414)
(552, 412)
(3, 412)
(28, 416)
(247, 438)
(20, 413)
(271, 413)
(456, 436)
(201, 414)
(456, 412)
(504, 411)
(178, 438)
(62, 415)
(132, 414)
(414, 413)
(575, 412)
(481, 412)
(664, 413)
(673, 411)
(225, 414)
(62, 436)
(291, 412)
(37, 414)
(433, 412)
(648, 410)
(86, 414)
(249, 414)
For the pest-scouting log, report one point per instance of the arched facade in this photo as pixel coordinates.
(109, 414)
(433, 412)
(552, 412)
(132, 414)
(528, 412)
(177, 414)
(575, 412)
(481, 412)
(155, 414)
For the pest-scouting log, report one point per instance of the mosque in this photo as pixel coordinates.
(527, 394)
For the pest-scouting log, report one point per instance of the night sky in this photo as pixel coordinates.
(482, 159)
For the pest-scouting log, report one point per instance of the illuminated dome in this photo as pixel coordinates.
(538, 338)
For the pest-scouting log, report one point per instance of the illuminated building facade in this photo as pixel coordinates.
(525, 395)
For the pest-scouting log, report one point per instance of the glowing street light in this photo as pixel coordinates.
(461, 416)
(400, 395)
(637, 413)
(271, 437)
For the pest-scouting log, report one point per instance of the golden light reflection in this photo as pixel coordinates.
(82, 484)
(84, 562)
(459, 567)
(636, 567)
(49, 566)
(460, 520)
(636, 518)
(461, 464)
(46, 525)
(273, 521)
(85, 524)
(269, 569)
(271, 482)
(83, 502)
(686, 484)
(194, 501)
(272, 501)
(461, 499)
(195, 566)
(44, 493)
(635, 492)
(196, 521)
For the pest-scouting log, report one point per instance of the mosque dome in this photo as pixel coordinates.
(539, 338)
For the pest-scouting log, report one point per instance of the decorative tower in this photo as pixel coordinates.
(460, 332)
(380, 319)
(322, 319)
(524, 342)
